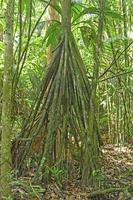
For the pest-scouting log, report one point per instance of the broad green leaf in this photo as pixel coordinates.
(52, 34)
(95, 11)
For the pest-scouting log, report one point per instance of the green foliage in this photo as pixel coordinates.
(53, 34)
(99, 176)
(30, 190)
(8, 198)
(56, 172)
(92, 11)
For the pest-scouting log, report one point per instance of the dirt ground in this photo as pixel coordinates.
(117, 173)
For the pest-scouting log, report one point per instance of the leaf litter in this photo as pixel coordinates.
(116, 182)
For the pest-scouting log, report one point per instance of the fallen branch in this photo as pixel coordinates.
(105, 191)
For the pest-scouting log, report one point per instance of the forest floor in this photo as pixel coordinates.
(116, 180)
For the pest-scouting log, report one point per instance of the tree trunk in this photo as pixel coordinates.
(66, 16)
(91, 160)
(6, 165)
(52, 16)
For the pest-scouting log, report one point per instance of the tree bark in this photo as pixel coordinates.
(6, 165)
(91, 160)
(66, 16)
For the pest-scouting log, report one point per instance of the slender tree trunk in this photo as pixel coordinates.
(6, 165)
(66, 16)
(52, 16)
(124, 9)
(126, 79)
(87, 177)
